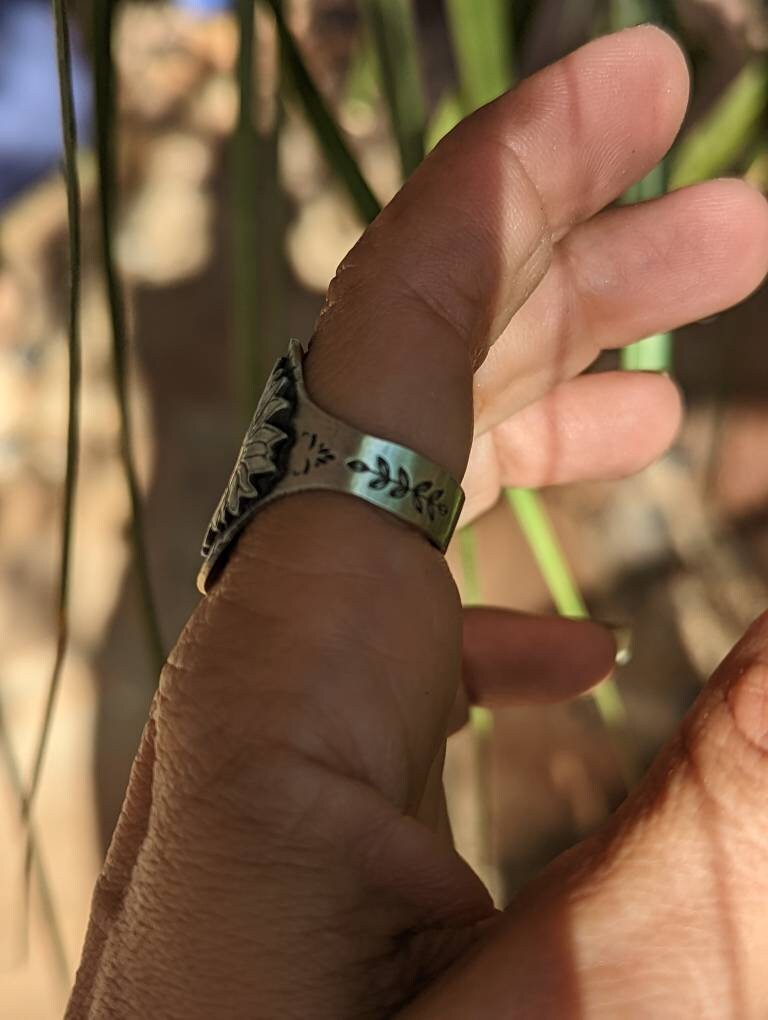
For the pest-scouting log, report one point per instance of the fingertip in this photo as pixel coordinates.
(661, 43)
(664, 64)
(605, 425)
(513, 657)
(731, 235)
(746, 208)
(659, 391)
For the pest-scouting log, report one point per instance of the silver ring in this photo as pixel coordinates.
(292, 446)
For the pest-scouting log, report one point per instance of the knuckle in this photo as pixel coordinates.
(725, 741)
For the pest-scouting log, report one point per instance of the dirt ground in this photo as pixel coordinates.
(680, 552)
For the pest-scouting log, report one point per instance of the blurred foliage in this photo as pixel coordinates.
(392, 28)
(481, 34)
(719, 143)
(105, 96)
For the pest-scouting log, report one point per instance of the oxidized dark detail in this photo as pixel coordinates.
(263, 458)
(316, 453)
(424, 497)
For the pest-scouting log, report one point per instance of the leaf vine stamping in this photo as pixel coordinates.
(424, 496)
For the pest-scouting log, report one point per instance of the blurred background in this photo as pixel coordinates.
(239, 177)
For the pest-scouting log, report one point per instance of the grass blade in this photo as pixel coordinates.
(757, 171)
(258, 221)
(481, 717)
(105, 108)
(716, 144)
(446, 116)
(392, 29)
(326, 130)
(481, 723)
(537, 528)
(244, 213)
(481, 34)
(33, 861)
(72, 183)
(654, 353)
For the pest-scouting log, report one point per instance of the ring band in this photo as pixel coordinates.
(292, 446)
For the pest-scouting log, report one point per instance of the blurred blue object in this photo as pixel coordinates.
(30, 126)
(202, 6)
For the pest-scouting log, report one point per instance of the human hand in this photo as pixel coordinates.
(283, 849)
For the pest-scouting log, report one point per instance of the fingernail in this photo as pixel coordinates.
(623, 636)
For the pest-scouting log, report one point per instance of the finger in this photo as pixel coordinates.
(411, 312)
(595, 427)
(667, 906)
(110, 892)
(628, 273)
(416, 304)
(515, 658)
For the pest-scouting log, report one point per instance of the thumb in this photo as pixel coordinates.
(664, 912)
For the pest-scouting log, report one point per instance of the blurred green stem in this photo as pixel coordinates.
(481, 722)
(33, 863)
(542, 540)
(481, 34)
(719, 140)
(393, 31)
(105, 109)
(326, 131)
(653, 353)
(72, 183)
(257, 218)
(244, 174)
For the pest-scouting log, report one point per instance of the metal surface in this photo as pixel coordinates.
(293, 446)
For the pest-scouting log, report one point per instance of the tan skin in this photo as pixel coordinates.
(283, 849)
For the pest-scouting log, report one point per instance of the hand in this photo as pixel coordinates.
(284, 849)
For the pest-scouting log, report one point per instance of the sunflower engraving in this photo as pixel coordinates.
(262, 460)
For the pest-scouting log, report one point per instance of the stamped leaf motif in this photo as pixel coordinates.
(434, 504)
(257, 461)
(381, 481)
(402, 486)
(424, 500)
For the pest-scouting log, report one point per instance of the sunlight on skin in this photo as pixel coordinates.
(284, 845)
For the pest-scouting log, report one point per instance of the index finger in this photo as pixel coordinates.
(431, 285)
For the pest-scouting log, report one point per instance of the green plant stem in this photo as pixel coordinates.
(72, 182)
(468, 554)
(326, 131)
(481, 718)
(245, 171)
(481, 35)
(480, 721)
(654, 353)
(105, 109)
(717, 143)
(33, 863)
(547, 551)
(392, 29)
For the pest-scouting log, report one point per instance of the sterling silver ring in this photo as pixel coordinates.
(293, 446)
